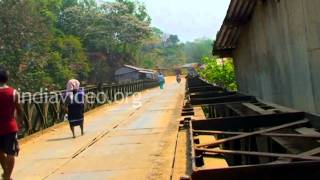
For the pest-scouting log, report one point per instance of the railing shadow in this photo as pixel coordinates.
(60, 139)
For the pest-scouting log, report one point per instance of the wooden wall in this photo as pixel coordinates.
(278, 55)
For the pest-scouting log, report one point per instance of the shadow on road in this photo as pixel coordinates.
(60, 139)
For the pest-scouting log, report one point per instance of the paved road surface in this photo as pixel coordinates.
(120, 142)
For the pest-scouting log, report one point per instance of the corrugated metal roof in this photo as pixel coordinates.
(139, 69)
(190, 65)
(146, 72)
(132, 67)
(239, 13)
(136, 69)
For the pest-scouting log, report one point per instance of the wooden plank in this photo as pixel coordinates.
(312, 132)
(315, 136)
(232, 108)
(216, 132)
(257, 108)
(204, 88)
(211, 94)
(312, 152)
(291, 135)
(297, 170)
(222, 99)
(261, 154)
(278, 107)
(307, 131)
(221, 141)
(221, 103)
(250, 121)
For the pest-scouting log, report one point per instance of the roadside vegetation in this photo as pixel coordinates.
(44, 43)
(219, 71)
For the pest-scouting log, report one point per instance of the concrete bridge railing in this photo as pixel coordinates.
(43, 110)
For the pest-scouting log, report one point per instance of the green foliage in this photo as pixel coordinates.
(24, 41)
(46, 42)
(173, 40)
(159, 51)
(219, 71)
(198, 49)
(170, 52)
(68, 59)
(114, 30)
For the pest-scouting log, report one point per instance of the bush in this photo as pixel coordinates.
(219, 71)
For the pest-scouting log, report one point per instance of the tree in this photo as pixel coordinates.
(115, 29)
(24, 37)
(198, 49)
(29, 41)
(69, 53)
(219, 71)
(49, 41)
(173, 40)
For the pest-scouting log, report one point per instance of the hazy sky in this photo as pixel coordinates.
(189, 19)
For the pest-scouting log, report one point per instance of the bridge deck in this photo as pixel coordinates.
(120, 142)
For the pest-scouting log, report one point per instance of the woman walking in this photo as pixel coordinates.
(161, 80)
(75, 105)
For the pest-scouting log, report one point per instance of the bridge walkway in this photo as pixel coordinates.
(120, 142)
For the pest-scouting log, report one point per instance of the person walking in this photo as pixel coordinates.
(9, 104)
(178, 76)
(161, 80)
(75, 105)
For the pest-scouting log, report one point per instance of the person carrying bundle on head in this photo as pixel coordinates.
(75, 102)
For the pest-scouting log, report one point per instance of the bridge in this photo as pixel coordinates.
(121, 140)
(197, 130)
(193, 130)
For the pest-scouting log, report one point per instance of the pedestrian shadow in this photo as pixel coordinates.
(60, 139)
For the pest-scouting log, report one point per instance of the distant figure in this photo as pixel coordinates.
(9, 104)
(178, 77)
(161, 80)
(75, 105)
